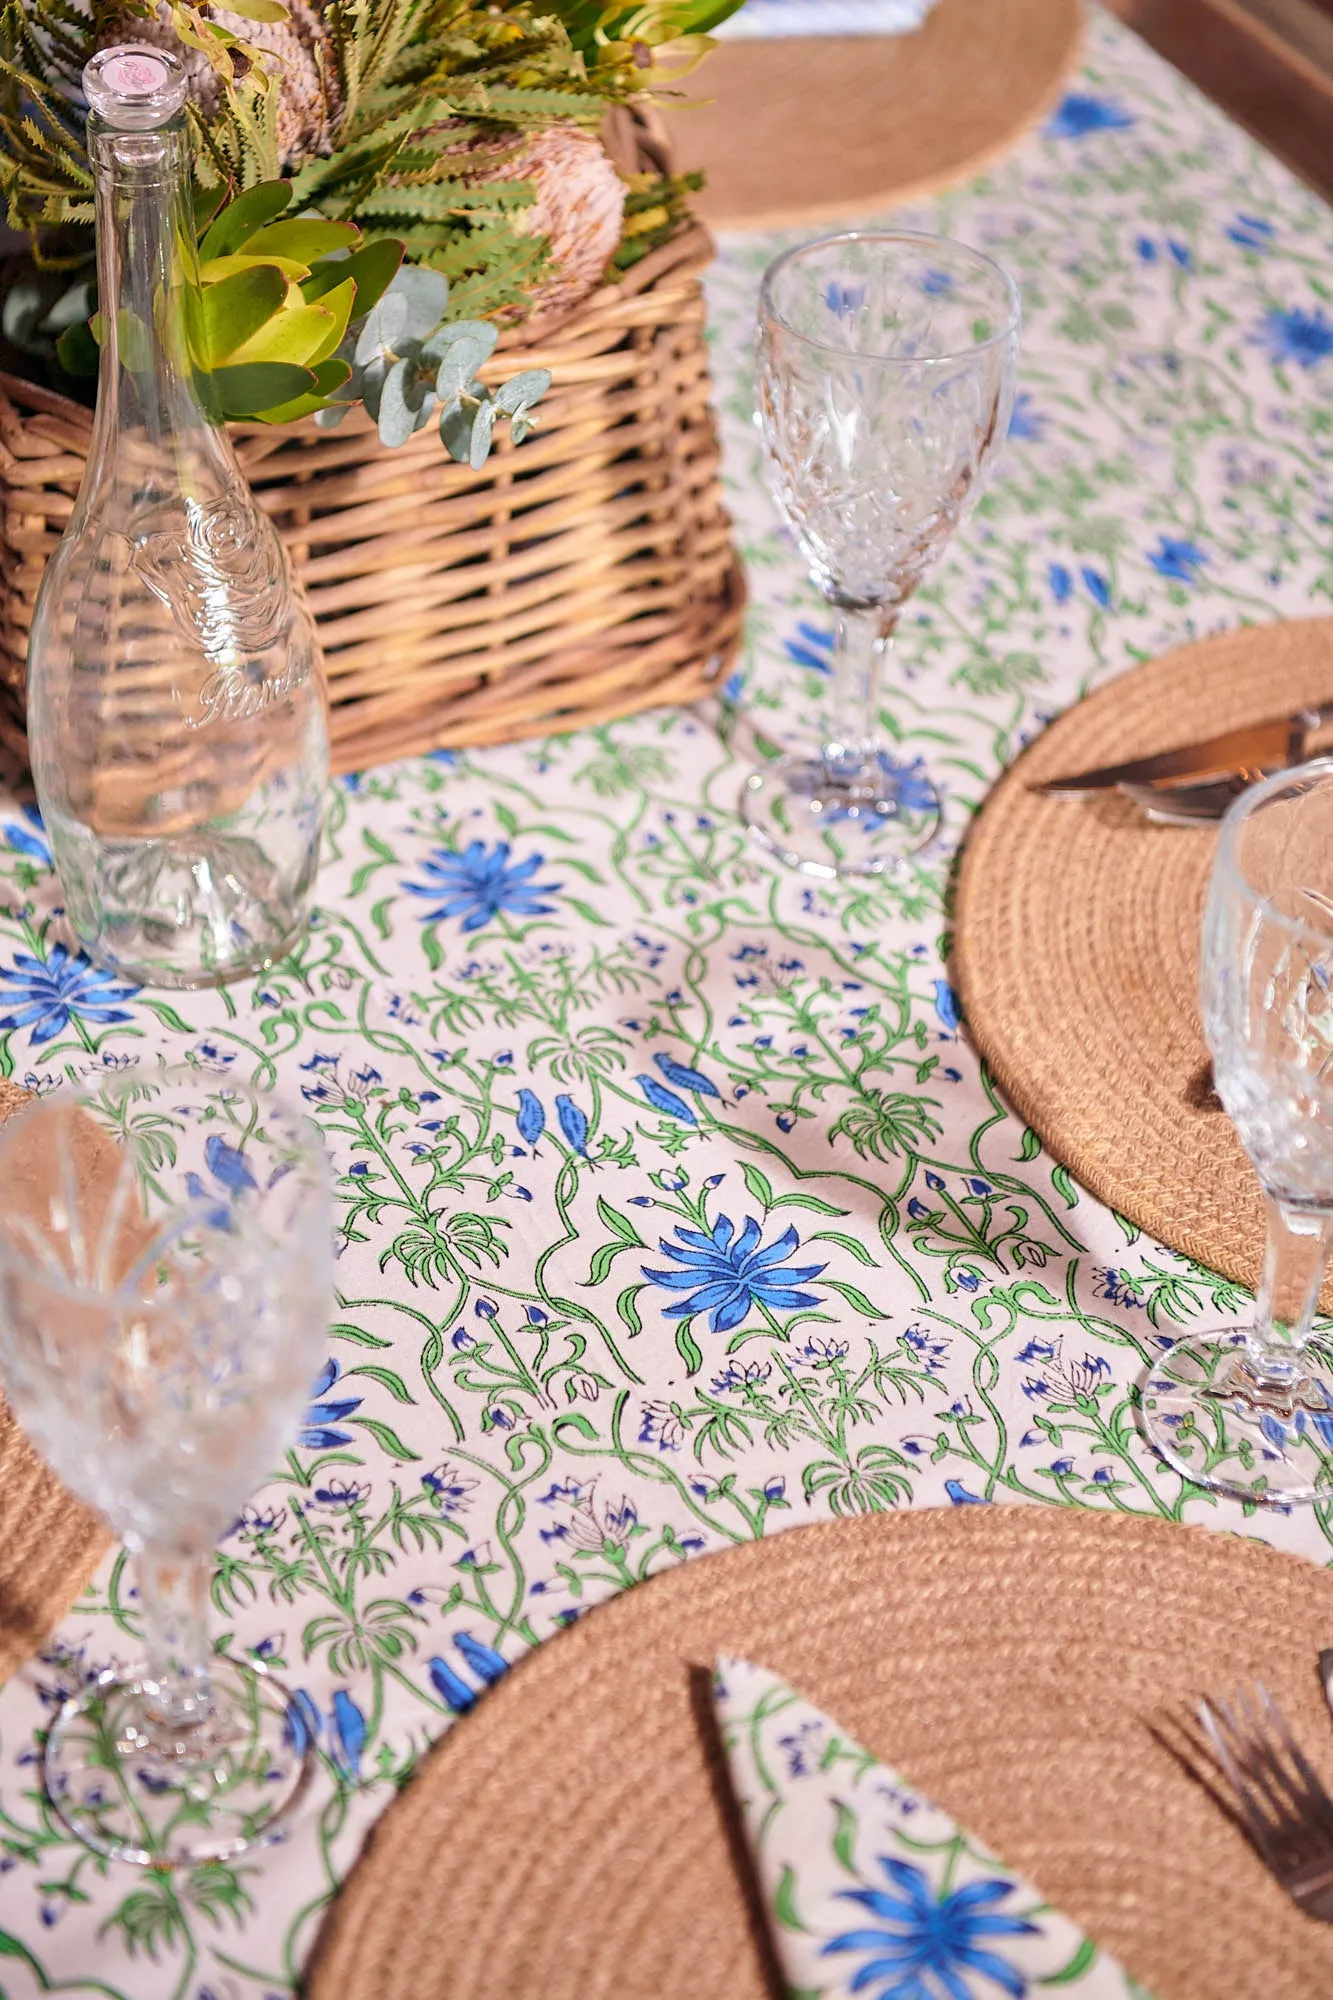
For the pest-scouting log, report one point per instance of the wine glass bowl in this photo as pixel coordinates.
(1251, 1413)
(165, 1289)
(885, 371)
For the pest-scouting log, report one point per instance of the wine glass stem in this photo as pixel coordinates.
(1295, 1261)
(862, 644)
(173, 1596)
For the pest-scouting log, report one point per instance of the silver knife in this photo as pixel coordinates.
(1259, 748)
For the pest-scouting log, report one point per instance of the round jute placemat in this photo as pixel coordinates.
(1076, 947)
(802, 130)
(567, 1842)
(49, 1544)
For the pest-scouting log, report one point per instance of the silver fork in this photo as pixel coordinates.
(1282, 1803)
(1189, 805)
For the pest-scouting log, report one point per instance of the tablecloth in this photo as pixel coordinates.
(675, 1207)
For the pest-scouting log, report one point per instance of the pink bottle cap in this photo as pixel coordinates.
(134, 86)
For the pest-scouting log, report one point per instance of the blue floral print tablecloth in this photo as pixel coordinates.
(676, 1209)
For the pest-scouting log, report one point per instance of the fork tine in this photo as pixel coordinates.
(1311, 1790)
(1257, 1822)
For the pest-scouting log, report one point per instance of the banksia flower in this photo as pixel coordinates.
(579, 207)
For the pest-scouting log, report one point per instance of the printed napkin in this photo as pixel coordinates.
(763, 19)
(873, 1893)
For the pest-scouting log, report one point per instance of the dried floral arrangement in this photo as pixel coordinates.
(381, 186)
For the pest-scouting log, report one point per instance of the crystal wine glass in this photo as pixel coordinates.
(165, 1292)
(1250, 1412)
(886, 366)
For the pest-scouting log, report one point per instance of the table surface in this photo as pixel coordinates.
(569, 1039)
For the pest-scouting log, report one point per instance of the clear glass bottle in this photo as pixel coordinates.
(177, 715)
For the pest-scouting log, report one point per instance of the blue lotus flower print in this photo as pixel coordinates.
(1026, 422)
(30, 840)
(726, 1274)
(479, 883)
(1181, 561)
(320, 1430)
(1303, 337)
(1080, 114)
(924, 1946)
(46, 997)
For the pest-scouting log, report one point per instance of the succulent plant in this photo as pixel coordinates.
(332, 138)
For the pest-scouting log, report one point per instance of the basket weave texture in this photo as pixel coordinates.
(584, 574)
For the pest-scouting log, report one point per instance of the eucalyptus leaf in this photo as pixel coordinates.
(469, 345)
(521, 391)
(383, 330)
(332, 414)
(400, 405)
(425, 297)
(483, 432)
(456, 421)
(22, 313)
(74, 307)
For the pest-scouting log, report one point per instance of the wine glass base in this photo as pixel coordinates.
(127, 1789)
(841, 813)
(1223, 1427)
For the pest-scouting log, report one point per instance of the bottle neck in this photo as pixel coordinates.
(147, 283)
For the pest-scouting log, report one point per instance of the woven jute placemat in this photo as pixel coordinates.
(49, 1544)
(567, 1841)
(823, 129)
(1076, 949)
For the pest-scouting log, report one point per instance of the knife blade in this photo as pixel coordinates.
(1259, 747)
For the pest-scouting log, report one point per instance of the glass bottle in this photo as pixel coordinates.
(177, 716)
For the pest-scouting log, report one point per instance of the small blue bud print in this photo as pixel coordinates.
(665, 1100)
(960, 1496)
(946, 1006)
(485, 1662)
(685, 1078)
(531, 1117)
(934, 1183)
(303, 1723)
(1061, 582)
(350, 1728)
(228, 1165)
(1099, 590)
(573, 1123)
(453, 1691)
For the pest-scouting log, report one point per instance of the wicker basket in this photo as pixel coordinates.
(582, 575)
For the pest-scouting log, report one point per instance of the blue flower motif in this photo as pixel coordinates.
(1251, 232)
(46, 996)
(732, 1273)
(1080, 113)
(1181, 560)
(228, 1165)
(319, 1431)
(1097, 586)
(22, 840)
(923, 1936)
(960, 1496)
(488, 1665)
(1061, 582)
(1026, 422)
(666, 1100)
(1180, 253)
(349, 1726)
(452, 1689)
(1303, 337)
(685, 1078)
(302, 1723)
(1145, 249)
(531, 1116)
(479, 883)
(806, 656)
(573, 1122)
